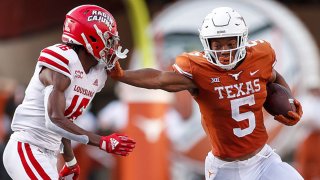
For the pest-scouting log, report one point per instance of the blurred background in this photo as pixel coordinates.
(170, 141)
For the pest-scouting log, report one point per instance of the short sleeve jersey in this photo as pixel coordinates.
(231, 101)
(29, 117)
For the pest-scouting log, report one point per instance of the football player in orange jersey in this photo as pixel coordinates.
(228, 81)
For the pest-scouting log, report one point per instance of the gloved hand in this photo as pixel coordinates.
(117, 144)
(116, 72)
(65, 171)
(293, 118)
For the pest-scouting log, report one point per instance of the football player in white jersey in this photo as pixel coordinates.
(66, 78)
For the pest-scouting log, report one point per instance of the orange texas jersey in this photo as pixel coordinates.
(231, 101)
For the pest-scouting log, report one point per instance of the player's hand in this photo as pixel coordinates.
(117, 144)
(66, 171)
(116, 72)
(293, 117)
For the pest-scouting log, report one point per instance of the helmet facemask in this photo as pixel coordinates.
(233, 55)
(111, 51)
(224, 22)
(108, 54)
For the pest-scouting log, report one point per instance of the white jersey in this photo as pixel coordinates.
(29, 117)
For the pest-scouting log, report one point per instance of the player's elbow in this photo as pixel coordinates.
(52, 123)
(53, 119)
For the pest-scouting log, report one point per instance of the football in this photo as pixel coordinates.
(279, 100)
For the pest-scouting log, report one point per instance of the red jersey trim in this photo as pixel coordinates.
(56, 55)
(48, 62)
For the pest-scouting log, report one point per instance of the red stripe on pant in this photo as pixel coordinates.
(24, 163)
(33, 161)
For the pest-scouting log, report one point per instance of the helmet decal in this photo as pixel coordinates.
(101, 17)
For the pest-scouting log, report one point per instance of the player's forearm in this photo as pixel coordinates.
(71, 131)
(154, 79)
(145, 78)
(67, 150)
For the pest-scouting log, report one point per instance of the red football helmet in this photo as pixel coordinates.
(96, 29)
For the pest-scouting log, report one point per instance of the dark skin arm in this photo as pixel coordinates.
(154, 79)
(57, 103)
(67, 150)
(277, 78)
(165, 80)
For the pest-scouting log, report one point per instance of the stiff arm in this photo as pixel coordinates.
(154, 79)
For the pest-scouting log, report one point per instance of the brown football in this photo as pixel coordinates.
(279, 100)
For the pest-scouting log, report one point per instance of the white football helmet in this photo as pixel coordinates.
(224, 22)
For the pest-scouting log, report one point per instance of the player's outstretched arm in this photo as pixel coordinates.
(55, 103)
(152, 79)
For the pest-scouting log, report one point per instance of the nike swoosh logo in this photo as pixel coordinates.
(253, 73)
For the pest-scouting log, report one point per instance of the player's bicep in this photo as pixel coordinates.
(181, 77)
(56, 104)
(56, 98)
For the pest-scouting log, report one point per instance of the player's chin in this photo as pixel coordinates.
(224, 62)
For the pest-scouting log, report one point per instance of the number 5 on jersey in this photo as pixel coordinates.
(236, 115)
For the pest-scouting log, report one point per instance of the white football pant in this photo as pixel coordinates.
(25, 161)
(265, 165)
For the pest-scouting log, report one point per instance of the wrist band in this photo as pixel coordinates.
(72, 162)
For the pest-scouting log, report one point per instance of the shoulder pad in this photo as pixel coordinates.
(57, 58)
(182, 65)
